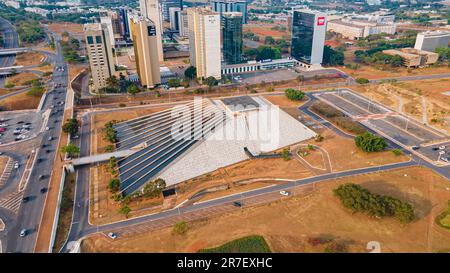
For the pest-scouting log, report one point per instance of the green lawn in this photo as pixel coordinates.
(249, 244)
(443, 219)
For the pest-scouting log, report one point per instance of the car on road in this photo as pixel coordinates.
(445, 159)
(442, 147)
(25, 199)
(415, 148)
(50, 138)
(237, 204)
(43, 190)
(112, 235)
(2, 129)
(435, 148)
(23, 233)
(16, 165)
(4, 125)
(285, 193)
(47, 128)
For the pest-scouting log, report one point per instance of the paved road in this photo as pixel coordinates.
(30, 213)
(11, 40)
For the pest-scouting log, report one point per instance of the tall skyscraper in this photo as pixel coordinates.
(100, 54)
(175, 18)
(112, 21)
(123, 12)
(222, 6)
(184, 24)
(145, 41)
(308, 37)
(150, 9)
(232, 37)
(204, 42)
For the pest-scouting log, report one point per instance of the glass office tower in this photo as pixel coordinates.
(232, 37)
(308, 36)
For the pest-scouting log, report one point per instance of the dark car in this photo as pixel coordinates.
(237, 204)
(20, 122)
(25, 199)
(43, 190)
(435, 148)
(415, 147)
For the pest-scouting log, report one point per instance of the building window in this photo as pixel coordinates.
(90, 40)
(98, 39)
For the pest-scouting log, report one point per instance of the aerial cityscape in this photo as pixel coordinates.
(224, 126)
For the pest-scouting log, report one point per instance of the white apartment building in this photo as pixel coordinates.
(100, 54)
(204, 42)
(184, 24)
(430, 40)
(151, 10)
(356, 29)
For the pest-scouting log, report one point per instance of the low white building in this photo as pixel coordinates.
(430, 40)
(356, 29)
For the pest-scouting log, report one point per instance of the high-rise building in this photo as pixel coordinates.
(204, 42)
(113, 22)
(99, 51)
(184, 24)
(167, 4)
(308, 37)
(430, 40)
(150, 9)
(222, 6)
(232, 37)
(175, 18)
(123, 12)
(145, 41)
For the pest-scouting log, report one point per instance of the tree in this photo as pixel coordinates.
(368, 142)
(190, 72)
(268, 52)
(114, 185)
(71, 126)
(211, 81)
(269, 40)
(71, 149)
(293, 94)
(133, 90)
(332, 57)
(154, 188)
(173, 82)
(125, 210)
(286, 154)
(113, 82)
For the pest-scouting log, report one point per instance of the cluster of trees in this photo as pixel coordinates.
(368, 142)
(359, 199)
(37, 88)
(281, 44)
(71, 150)
(30, 32)
(71, 126)
(79, 18)
(27, 24)
(333, 56)
(119, 85)
(378, 58)
(293, 94)
(70, 50)
(110, 132)
(251, 36)
(263, 53)
(444, 53)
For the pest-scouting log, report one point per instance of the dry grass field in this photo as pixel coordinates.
(29, 58)
(20, 102)
(21, 78)
(288, 224)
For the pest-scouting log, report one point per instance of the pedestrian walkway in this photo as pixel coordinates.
(12, 201)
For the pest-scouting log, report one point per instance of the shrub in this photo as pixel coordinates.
(9, 85)
(397, 152)
(286, 154)
(180, 228)
(362, 80)
(293, 94)
(114, 185)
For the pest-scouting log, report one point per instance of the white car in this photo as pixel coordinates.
(445, 159)
(23, 233)
(112, 235)
(16, 165)
(285, 193)
(442, 147)
(47, 128)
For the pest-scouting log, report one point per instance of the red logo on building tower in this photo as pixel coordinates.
(321, 21)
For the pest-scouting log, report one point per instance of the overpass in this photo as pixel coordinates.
(6, 71)
(13, 51)
(100, 157)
